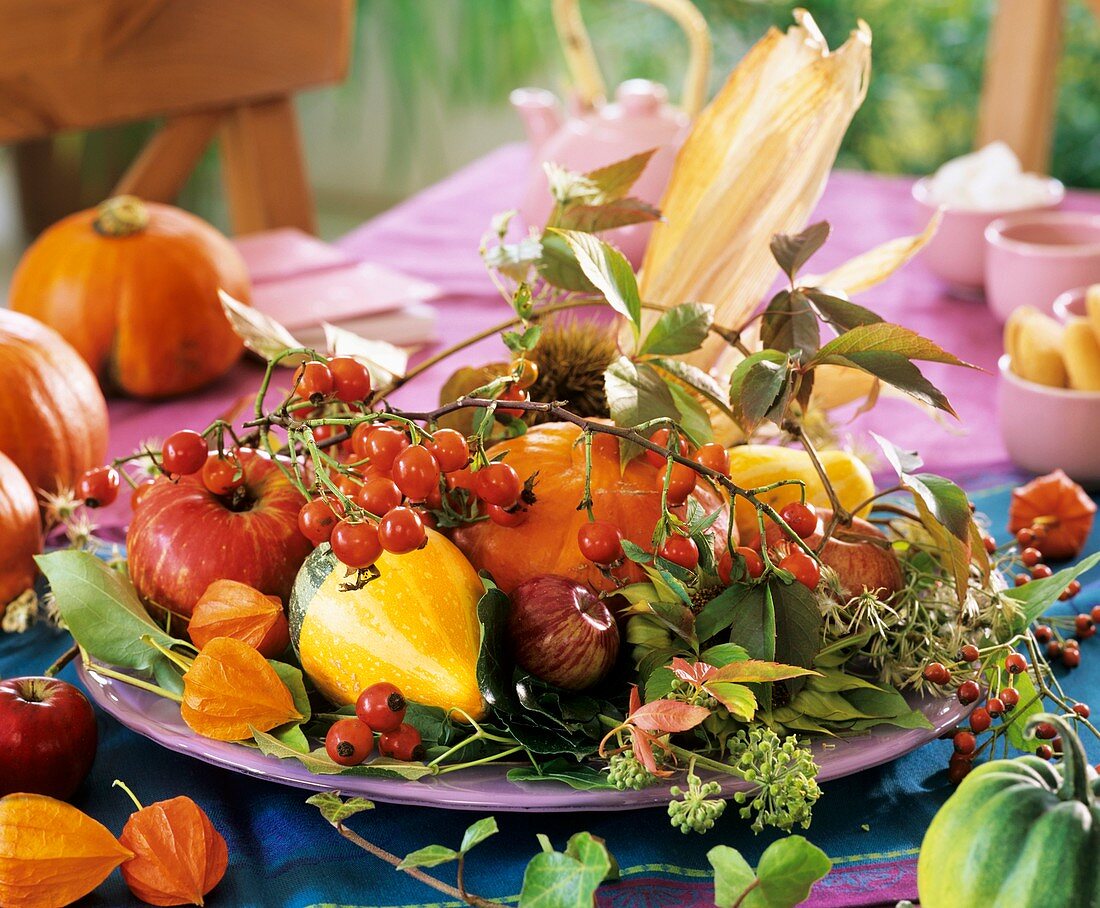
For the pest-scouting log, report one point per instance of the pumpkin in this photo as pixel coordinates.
(546, 543)
(53, 413)
(1058, 509)
(133, 286)
(1017, 833)
(415, 626)
(752, 466)
(20, 533)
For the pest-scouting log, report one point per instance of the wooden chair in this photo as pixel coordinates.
(1019, 91)
(224, 69)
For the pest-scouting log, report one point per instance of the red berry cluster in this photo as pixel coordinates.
(379, 710)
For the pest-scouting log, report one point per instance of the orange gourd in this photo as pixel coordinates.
(52, 411)
(546, 543)
(133, 286)
(20, 533)
(1058, 510)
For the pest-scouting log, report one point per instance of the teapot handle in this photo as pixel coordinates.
(585, 69)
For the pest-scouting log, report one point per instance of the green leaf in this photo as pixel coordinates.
(102, 610)
(478, 832)
(1031, 704)
(596, 218)
(884, 337)
(719, 613)
(723, 654)
(732, 875)
(693, 418)
(787, 871)
(792, 251)
(901, 460)
(578, 776)
(759, 385)
(894, 369)
(292, 736)
(335, 809)
(842, 314)
(798, 624)
(320, 763)
(1039, 595)
(952, 552)
(789, 324)
(737, 698)
(659, 683)
(945, 500)
(679, 330)
(566, 880)
(429, 856)
(522, 342)
(614, 180)
(636, 393)
(559, 266)
(168, 675)
(698, 380)
(609, 272)
(494, 667)
(752, 622)
(747, 671)
(291, 676)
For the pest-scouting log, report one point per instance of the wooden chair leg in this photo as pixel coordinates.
(264, 168)
(1020, 87)
(162, 169)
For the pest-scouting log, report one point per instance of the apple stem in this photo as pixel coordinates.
(118, 783)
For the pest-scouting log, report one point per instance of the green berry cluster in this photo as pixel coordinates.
(697, 809)
(784, 773)
(689, 693)
(625, 771)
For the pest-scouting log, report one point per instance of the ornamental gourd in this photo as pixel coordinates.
(546, 543)
(1016, 834)
(133, 286)
(53, 413)
(415, 626)
(1058, 510)
(20, 533)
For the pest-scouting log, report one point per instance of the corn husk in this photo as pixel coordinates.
(755, 164)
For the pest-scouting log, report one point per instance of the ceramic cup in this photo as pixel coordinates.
(956, 254)
(1046, 428)
(1071, 304)
(1033, 257)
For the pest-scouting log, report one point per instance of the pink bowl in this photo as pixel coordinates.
(1045, 428)
(1033, 257)
(956, 254)
(1071, 304)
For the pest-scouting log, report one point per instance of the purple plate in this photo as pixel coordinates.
(484, 787)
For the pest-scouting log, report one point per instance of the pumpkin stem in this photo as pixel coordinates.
(1075, 774)
(123, 215)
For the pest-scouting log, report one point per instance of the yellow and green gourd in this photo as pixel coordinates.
(415, 626)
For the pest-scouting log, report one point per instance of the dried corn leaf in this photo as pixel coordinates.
(178, 854)
(754, 165)
(230, 689)
(51, 854)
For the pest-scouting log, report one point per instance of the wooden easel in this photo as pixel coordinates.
(213, 69)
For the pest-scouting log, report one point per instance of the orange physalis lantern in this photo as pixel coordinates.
(232, 609)
(1059, 512)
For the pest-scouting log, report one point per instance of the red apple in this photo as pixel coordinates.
(183, 537)
(47, 737)
(562, 632)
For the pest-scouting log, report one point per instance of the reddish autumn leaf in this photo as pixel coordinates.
(232, 609)
(231, 689)
(51, 854)
(696, 673)
(643, 750)
(178, 854)
(668, 716)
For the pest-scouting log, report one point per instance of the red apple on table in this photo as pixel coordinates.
(47, 737)
(183, 537)
(561, 632)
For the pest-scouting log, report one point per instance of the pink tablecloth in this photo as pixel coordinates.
(435, 236)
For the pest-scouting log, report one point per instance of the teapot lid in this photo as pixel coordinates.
(641, 97)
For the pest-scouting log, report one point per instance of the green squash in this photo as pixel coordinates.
(1017, 834)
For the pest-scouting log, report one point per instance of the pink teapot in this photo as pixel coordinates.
(598, 132)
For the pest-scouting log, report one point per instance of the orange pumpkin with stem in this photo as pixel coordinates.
(20, 533)
(546, 542)
(1058, 510)
(133, 286)
(53, 413)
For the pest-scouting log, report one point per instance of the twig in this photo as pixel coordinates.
(64, 659)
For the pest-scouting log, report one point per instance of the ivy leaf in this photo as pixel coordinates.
(842, 314)
(559, 266)
(636, 393)
(615, 180)
(566, 880)
(758, 387)
(597, 218)
(429, 856)
(609, 271)
(1039, 595)
(102, 610)
(787, 871)
(792, 251)
(320, 763)
(478, 832)
(679, 330)
(733, 876)
(789, 324)
(335, 809)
